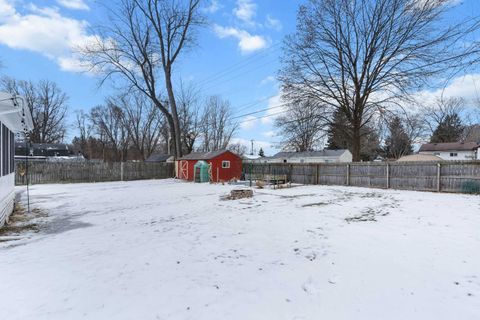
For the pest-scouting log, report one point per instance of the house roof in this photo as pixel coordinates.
(158, 157)
(204, 155)
(450, 146)
(251, 157)
(14, 113)
(310, 154)
(419, 157)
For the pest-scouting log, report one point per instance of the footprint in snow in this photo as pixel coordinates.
(310, 287)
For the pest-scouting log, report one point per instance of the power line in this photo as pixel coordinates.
(248, 105)
(239, 64)
(262, 110)
(213, 84)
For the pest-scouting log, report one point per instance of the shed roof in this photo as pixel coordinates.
(310, 154)
(450, 146)
(204, 155)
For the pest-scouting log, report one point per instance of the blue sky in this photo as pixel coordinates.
(237, 55)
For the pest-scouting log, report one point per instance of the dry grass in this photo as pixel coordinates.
(21, 222)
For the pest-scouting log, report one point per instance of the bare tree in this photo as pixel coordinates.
(302, 126)
(362, 56)
(141, 120)
(141, 44)
(440, 111)
(217, 126)
(107, 121)
(238, 148)
(190, 117)
(84, 127)
(48, 105)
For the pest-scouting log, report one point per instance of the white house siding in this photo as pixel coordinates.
(453, 155)
(7, 196)
(7, 177)
(344, 157)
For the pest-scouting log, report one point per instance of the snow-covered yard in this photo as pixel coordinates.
(174, 250)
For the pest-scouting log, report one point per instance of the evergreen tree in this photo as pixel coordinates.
(449, 130)
(261, 153)
(339, 137)
(398, 143)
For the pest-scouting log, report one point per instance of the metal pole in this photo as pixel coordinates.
(26, 174)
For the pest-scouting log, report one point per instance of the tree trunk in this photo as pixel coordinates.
(356, 142)
(176, 122)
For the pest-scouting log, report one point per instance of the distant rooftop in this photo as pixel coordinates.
(204, 155)
(309, 154)
(450, 146)
(158, 157)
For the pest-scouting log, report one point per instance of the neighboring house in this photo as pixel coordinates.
(452, 151)
(225, 165)
(42, 150)
(249, 158)
(420, 158)
(323, 156)
(13, 118)
(160, 157)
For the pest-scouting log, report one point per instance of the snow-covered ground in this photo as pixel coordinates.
(174, 250)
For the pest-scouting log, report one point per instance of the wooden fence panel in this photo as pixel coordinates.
(77, 172)
(460, 176)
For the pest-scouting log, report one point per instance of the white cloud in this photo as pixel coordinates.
(44, 31)
(246, 10)
(269, 134)
(466, 86)
(74, 4)
(248, 122)
(246, 41)
(273, 23)
(275, 109)
(213, 7)
(267, 80)
(6, 10)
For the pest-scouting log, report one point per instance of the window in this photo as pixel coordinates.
(225, 164)
(436, 153)
(5, 150)
(12, 152)
(453, 154)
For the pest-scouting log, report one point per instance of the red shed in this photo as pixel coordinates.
(226, 165)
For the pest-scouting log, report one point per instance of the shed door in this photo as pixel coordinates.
(184, 170)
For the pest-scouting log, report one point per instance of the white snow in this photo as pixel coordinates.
(174, 250)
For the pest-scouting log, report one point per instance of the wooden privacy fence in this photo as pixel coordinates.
(75, 172)
(461, 176)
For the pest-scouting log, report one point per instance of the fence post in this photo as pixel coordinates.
(317, 173)
(439, 177)
(388, 175)
(348, 174)
(121, 171)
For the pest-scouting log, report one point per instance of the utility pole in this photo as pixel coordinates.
(251, 151)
